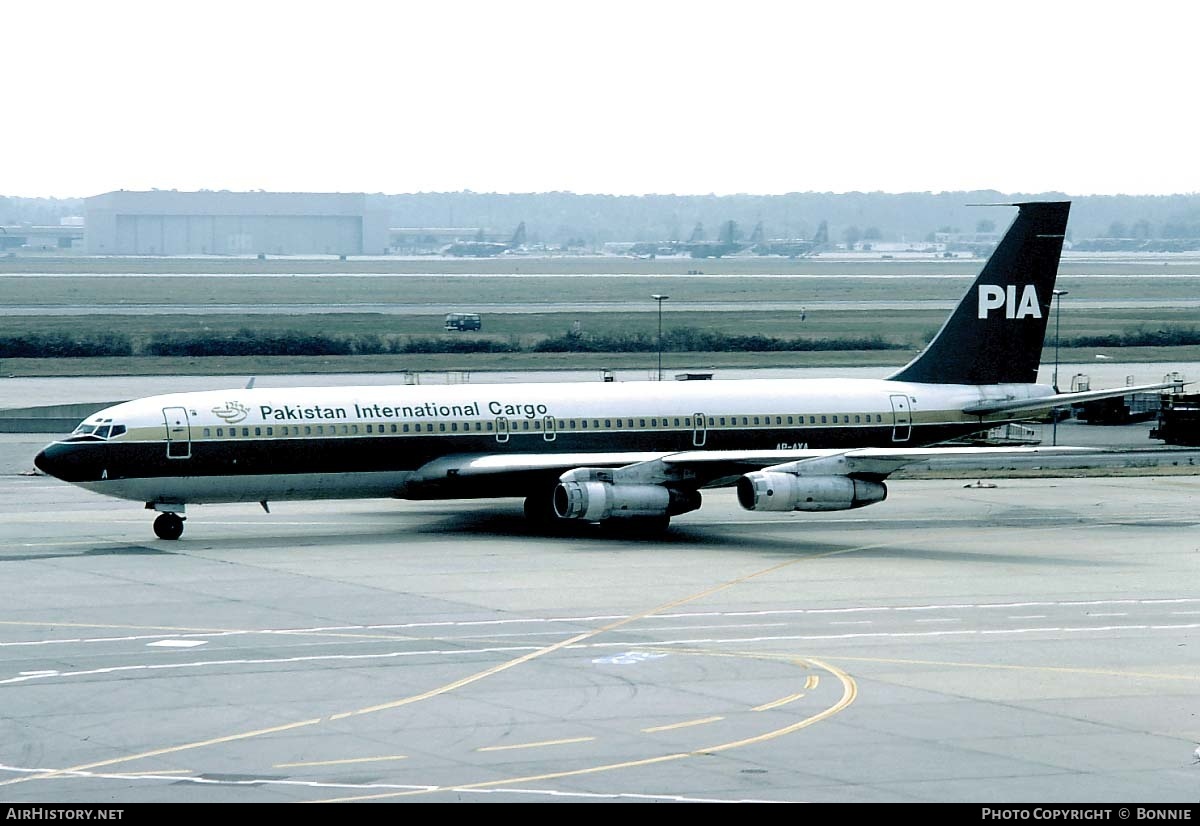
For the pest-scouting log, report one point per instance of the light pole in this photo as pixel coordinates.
(1058, 294)
(660, 299)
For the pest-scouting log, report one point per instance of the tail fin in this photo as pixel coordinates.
(518, 237)
(995, 335)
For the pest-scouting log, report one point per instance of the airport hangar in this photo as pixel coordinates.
(234, 223)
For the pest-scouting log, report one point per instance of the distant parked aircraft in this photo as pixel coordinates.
(796, 247)
(728, 242)
(480, 248)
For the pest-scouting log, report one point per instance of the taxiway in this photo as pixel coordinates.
(1032, 641)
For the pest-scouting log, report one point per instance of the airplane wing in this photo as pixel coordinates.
(694, 469)
(1043, 403)
(872, 462)
(468, 465)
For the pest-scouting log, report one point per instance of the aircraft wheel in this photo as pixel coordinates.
(168, 526)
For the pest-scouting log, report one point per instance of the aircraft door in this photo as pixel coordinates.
(699, 429)
(179, 433)
(501, 429)
(548, 429)
(901, 419)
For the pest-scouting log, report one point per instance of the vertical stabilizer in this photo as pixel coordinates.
(518, 237)
(996, 333)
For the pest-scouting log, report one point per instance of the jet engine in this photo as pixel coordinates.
(775, 491)
(596, 501)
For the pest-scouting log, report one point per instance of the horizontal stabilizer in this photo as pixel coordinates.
(1045, 403)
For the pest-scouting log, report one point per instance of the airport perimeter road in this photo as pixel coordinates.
(1034, 641)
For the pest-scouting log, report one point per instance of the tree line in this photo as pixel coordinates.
(247, 342)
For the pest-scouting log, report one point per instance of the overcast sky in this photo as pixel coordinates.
(599, 97)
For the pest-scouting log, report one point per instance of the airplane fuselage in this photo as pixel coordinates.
(321, 442)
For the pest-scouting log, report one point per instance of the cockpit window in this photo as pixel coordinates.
(101, 429)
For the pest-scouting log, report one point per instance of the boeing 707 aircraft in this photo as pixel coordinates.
(628, 454)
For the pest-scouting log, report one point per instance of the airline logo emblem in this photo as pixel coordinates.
(232, 412)
(993, 297)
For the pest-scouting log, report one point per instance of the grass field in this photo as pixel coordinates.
(789, 281)
(909, 328)
(462, 291)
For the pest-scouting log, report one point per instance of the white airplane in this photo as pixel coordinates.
(629, 454)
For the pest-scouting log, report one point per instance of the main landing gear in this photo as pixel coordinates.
(539, 509)
(637, 527)
(168, 524)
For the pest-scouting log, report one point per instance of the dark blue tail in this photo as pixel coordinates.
(996, 333)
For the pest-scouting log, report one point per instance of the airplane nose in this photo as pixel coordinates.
(71, 463)
(74, 462)
(43, 463)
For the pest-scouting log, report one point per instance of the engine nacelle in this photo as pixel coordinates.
(774, 491)
(596, 501)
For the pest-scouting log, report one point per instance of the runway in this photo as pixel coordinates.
(1035, 641)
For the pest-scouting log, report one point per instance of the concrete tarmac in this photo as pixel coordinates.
(1026, 642)
(1036, 641)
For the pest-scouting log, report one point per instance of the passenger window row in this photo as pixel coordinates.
(535, 425)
